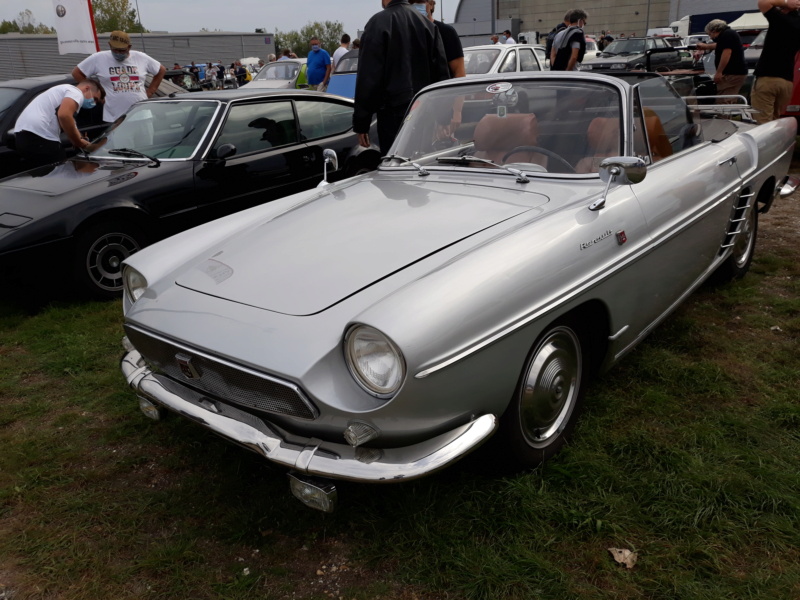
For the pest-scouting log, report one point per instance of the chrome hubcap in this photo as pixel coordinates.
(104, 260)
(551, 387)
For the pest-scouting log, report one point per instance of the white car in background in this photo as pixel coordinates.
(501, 58)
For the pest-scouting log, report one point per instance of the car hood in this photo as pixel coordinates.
(270, 84)
(72, 174)
(319, 253)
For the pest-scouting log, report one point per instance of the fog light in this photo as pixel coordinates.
(358, 433)
(150, 410)
(314, 492)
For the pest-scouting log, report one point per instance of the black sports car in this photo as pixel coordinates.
(171, 164)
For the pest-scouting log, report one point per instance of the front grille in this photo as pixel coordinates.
(221, 379)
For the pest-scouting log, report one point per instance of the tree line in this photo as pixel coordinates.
(109, 15)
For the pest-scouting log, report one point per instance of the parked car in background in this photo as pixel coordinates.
(343, 78)
(170, 164)
(281, 74)
(500, 58)
(591, 45)
(630, 54)
(753, 52)
(184, 78)
(541, 53)
(380, 328)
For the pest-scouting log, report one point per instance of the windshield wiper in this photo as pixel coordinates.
(420, 168)
(521, 177)
(130, 152)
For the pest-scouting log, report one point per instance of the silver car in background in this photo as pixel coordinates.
(380, 328)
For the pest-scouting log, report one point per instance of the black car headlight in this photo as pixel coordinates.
(374, 361)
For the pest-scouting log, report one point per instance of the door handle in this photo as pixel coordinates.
(731, 160)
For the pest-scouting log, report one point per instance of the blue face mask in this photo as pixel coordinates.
(503, 39)
(422, 9)
(88, 103)
(315, 47)
(119, 56)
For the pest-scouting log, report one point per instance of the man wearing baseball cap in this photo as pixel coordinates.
(122, 73)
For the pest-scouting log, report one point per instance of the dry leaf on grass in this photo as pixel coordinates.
(624, 556)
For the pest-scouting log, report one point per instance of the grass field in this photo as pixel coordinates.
(688, 454)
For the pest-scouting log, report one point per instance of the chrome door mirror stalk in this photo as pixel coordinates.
(625, 170)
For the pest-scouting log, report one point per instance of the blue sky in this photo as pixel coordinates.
(234, 15)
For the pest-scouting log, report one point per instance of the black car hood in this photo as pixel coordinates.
(72, 174)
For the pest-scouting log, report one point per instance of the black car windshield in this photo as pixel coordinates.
(8, 96)
(479, 60)
(519, 123)
(163, 129)
(283, 70)
(625, 47)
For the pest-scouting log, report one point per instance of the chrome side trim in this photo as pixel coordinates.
(552, 303)
(310, 455)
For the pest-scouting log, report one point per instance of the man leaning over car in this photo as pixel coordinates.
(37, 132)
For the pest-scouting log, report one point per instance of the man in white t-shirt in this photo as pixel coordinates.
(122, 72)
(37, 132)
(509, 39)
(344, 48)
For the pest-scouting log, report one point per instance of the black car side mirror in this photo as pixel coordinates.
(226, 151)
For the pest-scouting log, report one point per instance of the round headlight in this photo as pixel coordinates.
(135, 283)
(374, 361)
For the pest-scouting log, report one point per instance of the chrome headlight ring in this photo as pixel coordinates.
(374, 361)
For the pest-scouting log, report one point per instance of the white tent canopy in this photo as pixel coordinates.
(754, 20)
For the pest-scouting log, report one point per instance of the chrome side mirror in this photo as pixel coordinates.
(625, 170)
(330, 158)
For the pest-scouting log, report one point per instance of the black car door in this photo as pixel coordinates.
(256, 157)
(325, 123)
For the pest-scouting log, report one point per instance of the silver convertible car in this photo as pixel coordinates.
(380, 328)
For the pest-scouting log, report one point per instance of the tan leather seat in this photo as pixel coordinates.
(496, 136)
(602, 141)
(660, 146)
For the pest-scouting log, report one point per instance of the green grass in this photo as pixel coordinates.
(688, 453)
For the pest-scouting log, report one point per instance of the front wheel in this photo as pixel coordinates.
(744, 247)
(548, 398)
(99, 252)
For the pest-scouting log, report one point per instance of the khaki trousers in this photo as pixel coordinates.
(770, 96)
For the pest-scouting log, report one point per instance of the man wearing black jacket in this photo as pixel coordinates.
(401, 53)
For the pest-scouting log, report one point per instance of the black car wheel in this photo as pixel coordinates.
(99, 252)
(548, 398)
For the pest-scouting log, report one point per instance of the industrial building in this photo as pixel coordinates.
(31, 55)
(477, 20)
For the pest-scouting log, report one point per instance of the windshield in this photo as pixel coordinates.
(348, 64)
(168, 129)
(625, 47)
(479, 60)
(8, 96)
(535, 126)
(282, 70)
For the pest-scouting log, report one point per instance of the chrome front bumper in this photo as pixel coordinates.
(309, 455)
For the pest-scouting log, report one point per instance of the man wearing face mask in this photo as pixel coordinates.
(318, 69)
(37, 132)
(401, 52)
(122, 73)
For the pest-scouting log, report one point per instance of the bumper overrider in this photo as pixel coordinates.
(306, 456)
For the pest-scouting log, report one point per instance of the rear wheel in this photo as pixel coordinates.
(548, 398)
(99, 252)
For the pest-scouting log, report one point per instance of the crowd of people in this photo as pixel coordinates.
(403, 49)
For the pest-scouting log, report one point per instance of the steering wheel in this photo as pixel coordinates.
(540, 150)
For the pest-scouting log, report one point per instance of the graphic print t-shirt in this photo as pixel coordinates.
(124, 81)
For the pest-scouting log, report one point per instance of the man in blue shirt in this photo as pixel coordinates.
(318, 67)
